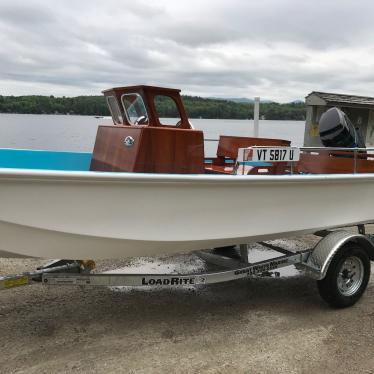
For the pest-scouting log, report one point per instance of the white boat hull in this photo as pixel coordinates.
(93, 215)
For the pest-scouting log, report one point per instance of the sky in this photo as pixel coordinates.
(276, 49)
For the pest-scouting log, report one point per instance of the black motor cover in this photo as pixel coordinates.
(336, 130)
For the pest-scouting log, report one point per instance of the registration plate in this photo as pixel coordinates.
(276, 154)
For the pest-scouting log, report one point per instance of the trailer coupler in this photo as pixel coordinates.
(56, 266)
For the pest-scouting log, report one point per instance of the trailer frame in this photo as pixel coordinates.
(233, 263)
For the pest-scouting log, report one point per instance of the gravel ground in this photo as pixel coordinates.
(262, 325)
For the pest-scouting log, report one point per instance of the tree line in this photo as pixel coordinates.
(197, 107)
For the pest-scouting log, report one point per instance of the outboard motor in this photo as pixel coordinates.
(336, 130)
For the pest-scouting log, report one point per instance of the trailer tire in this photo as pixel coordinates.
(346, 278)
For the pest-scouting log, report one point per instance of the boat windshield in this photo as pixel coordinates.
(165, 104)
(114, 110)
(135, 110)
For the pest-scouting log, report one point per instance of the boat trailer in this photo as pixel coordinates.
(340, 262)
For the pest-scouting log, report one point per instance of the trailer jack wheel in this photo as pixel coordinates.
(346, 278)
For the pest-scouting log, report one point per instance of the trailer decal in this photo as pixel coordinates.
(256, 269)
(163, 281)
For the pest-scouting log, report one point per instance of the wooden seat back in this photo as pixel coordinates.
(228, 145)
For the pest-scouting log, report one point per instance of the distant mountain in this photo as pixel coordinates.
(240, 99)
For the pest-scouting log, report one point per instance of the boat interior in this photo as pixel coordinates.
(141, 141)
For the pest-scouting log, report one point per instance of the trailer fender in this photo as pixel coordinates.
(319, 260)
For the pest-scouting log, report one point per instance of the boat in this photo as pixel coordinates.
(147, 188)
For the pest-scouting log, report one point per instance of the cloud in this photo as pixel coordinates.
(278, 49)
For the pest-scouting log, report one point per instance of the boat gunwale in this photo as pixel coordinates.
(125, 177)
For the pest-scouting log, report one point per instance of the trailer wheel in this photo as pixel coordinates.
(346, 278)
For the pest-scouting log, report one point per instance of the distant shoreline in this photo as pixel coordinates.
(109, 118)
(197, 107)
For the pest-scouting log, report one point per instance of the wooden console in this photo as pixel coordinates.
(148, 150)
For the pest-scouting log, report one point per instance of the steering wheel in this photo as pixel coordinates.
(189, 122)
(142, 120)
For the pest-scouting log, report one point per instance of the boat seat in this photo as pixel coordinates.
(323, 162)
(227, 153)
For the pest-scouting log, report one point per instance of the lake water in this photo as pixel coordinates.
(77, 133)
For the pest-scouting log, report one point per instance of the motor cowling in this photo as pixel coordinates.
(336, 130)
